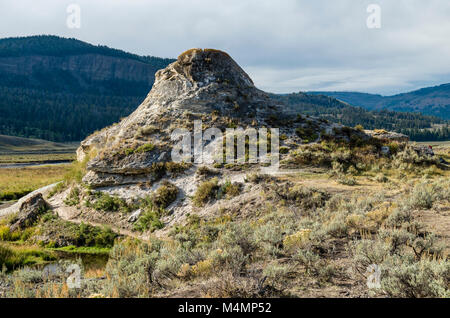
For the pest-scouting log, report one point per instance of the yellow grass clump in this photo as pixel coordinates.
(17, 182)
(296, 240)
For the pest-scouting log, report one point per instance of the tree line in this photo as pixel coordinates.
(417, 126)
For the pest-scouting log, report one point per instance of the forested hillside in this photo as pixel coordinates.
(57, 46)
(63, 89)
(59, 116)
(415, 125)
(433, 101)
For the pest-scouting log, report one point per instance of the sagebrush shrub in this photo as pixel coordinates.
(206, 191)
(129, 269)
(165, 195)
(109, 203)
(404, 278)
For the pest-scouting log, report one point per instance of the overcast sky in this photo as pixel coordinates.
(284, 45)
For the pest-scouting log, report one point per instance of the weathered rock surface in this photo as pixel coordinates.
(15, 208)
(135, 216)
(132, 159)
(387, 135)
(205, 85)
(199, 83)
(424, 151)
(29, 212)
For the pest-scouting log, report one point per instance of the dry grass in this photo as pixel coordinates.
(94, 273)
(205, 192)
(36, 158)
(305, 235)
(17, 182)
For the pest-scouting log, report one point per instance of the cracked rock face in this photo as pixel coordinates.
(206, 85)
(387, 135)
(29, 211)
(200, 83)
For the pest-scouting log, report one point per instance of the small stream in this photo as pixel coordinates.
(90, 261)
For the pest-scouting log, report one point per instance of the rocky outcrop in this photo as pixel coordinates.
(29, 212)
(201, 83)
(15, 208)
(387, 135)
(205, 85)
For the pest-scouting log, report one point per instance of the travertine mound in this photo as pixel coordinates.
(205, 85)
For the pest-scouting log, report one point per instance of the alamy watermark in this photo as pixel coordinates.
(73, 20)
(374, 19)
(374, 278)
(73, 279)
(234, 146)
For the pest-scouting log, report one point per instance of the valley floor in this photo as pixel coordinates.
(307, 232)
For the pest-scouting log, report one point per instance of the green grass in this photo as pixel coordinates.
(11, 145)
(434, 143)
(36, 158)
(72, 249)
(141, 149)
(17, 182)
(73, 174)
(145, 148)
(13, 256)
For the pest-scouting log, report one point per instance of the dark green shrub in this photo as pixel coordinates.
(108, 203)
(165, 195)
(74, 197)
(88, 235)
(149, 221)
(150, 217)
(206, 191)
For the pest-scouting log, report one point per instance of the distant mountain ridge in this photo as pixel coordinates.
(417, 126)
(62, 89)
(69, 65)
(58, 46)
(433, 101)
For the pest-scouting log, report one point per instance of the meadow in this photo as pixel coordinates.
(35, 158)
(17, 182)
(17, 145)
(29, 164)
(312, 231)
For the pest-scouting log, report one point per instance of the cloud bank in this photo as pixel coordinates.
(284, 45)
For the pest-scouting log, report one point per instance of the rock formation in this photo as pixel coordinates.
(29, 212)
(205, 85)
(387, 135)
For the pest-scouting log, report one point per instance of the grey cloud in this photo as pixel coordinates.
(285, 45)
